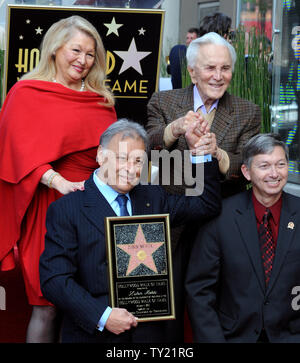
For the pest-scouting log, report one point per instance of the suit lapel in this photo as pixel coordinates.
(223, 119)
(95, 206)
(140, 203)
(185, 102)
(246, 222)
(285, 236)
(245, 219)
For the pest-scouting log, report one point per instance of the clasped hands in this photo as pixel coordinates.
(197, 134)
(120, 320)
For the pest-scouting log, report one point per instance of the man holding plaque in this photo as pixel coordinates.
(73, 267)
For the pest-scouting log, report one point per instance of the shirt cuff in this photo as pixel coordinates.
(224, 163)
(169, 138)
(104, 318)
(198, 159)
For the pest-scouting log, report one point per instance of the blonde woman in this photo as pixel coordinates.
(50, 126)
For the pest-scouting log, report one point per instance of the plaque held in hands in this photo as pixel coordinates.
(140, 266)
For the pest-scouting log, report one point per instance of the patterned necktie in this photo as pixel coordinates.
(122, 200)
(267, 244)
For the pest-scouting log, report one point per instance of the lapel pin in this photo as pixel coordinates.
(291, 225)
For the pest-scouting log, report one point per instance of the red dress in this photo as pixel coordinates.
(43, 125)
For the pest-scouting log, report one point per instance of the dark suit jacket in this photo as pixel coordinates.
(176, 58)
(236, 121)
(73, 268)
(227, 298)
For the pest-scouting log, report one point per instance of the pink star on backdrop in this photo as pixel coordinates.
(140, 252)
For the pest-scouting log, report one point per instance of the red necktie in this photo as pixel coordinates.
(267, 244)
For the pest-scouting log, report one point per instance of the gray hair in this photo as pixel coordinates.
(194, 49)
(125, 127)
(262, 144)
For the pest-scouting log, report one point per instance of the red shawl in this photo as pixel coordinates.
(40, 122)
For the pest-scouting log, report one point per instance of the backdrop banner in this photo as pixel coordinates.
(132, 39)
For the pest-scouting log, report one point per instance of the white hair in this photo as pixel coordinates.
(194, 49)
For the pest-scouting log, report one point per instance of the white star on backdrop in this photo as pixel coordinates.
(142, 31)
(131, 58)
(28, 21)
(21, 37)
(113, 27)
(39, 30)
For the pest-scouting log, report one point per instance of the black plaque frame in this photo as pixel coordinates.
(143, 287)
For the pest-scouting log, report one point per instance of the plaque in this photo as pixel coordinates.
(140, 266)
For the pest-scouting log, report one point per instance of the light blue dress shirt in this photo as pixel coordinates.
(198, 103)
(110, 195)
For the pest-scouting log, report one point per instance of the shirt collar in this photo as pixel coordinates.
(106, 190)
(198, 103)
(260, 209)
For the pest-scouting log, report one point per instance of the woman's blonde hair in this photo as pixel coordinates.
(57, 35)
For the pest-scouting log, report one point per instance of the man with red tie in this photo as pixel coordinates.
(245, 264)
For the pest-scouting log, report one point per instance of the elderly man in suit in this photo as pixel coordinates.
(73, 268)
(233, 121)
(245, 265)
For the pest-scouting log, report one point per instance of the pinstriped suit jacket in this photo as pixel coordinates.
(236, 121)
